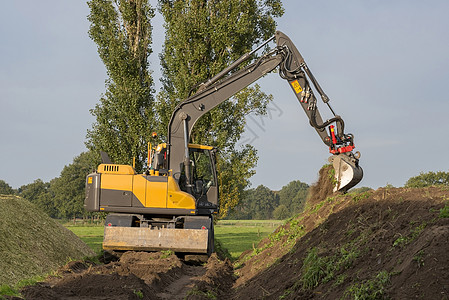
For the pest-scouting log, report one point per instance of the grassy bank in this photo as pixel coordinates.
(32, 244)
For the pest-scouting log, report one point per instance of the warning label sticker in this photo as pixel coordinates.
(296, 86)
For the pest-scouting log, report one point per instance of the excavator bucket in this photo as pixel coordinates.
(347, 171)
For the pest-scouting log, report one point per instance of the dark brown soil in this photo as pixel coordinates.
(392, 232)
(323, 188)
(216, 283)
(137, 275)
(319, 191)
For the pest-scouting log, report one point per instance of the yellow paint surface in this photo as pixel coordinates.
(296, 86)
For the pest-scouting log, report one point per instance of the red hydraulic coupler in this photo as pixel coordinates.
(336, 150)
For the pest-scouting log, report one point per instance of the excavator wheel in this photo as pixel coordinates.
(347, 171)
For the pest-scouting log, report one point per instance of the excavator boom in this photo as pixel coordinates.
(293, 68)
(171, 205)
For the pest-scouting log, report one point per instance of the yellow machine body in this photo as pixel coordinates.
(152, 191)
(149, 211)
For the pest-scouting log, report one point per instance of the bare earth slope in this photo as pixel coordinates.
(31, 243)
(384, 244)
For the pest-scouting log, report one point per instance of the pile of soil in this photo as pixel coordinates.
(136, 275)
(279, 243)
(216, 283)
(323, 188)
(385, 244)
(32, 243)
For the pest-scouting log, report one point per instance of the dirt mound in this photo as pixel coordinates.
(136, 275)
(32, 243)
(389, 243)
(323, 188)
(318, 207)
(93, 286)
(216, 283)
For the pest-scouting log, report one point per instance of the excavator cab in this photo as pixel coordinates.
(203, 174)
(203, 171)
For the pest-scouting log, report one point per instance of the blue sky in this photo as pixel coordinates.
(384, 64)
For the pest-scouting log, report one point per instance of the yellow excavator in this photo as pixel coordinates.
(172, 205)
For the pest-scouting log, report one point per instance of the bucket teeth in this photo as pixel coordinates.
(347, 171)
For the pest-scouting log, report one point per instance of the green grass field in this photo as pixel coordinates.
(235, 235)
(240, 235)
(91, 235)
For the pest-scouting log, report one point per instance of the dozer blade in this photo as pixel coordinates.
(347, 171)
(153, 239)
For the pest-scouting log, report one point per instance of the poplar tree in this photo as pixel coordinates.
(122, 31)
(5, 188)
(202, 37)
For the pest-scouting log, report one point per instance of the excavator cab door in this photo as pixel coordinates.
(204, 185)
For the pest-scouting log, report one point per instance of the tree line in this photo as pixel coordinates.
(263, 203)
(63, 197)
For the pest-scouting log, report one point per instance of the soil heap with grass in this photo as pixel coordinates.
(31, 243)
(385, 244)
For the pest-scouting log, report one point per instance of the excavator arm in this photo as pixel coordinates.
(295, 70)
(292, 68)
(171, 206)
